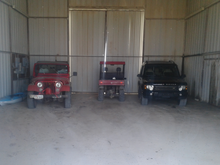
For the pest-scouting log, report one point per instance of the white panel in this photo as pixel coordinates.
(34, 59)
(107, 3)
(47, 8)
(5, 75)
(195, 34)
(4, 28)
(87, 40)
(125, 37)
(164, 37)
(213, 29)
(165, 8)
(193, 69)
(48, 36)
(19, 32)
(20, 5)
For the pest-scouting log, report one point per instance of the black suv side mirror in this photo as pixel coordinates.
(138, 75)
(183, 76)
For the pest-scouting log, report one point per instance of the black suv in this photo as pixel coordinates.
(161, 79)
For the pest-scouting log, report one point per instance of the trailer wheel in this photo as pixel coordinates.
(182, 102)
(144, 101)
(121, 95)
(67, 102)
(31, 103)
(101, 94)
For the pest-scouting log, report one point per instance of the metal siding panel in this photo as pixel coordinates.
(194, 71)
(213, 29)
(20, 5)
(195, 34)
(5, 75)
(4, 28)
(48, 8)
(48, 36)
(107, 3)
(164, 37)
(87, 39)
(165, 9)
(18, 32)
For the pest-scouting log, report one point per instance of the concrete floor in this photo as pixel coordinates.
(110, 133)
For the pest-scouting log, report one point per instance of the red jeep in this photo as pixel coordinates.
(50, 80)
(112, 80)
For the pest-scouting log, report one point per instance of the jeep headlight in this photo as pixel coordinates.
(58, 84)
(150, 87)
(39, 84)
(182, 87)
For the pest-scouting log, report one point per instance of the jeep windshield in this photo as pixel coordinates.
(51, 69)
(161, 71)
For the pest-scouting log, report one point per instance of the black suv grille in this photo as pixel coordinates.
(165, 88)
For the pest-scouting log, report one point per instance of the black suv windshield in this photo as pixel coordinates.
(161, 71)
(51, 68)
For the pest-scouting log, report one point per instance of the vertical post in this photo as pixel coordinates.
(105, 44)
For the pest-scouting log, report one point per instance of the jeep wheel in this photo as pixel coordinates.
(144, 101)
(182, 102)
(31, 103)
(121, 95)
(101, 95)
(67, 102)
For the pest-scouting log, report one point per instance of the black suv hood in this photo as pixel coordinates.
(164, 80)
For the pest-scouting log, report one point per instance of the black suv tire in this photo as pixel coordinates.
(182, 102)
(144, 101)
(31, 103)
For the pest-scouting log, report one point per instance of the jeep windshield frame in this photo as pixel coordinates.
(161, 70)
(50, 69)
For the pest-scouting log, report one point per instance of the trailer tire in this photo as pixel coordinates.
(121, 95)
(101, 94)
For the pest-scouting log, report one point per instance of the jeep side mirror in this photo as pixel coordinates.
(74, 73)
(138, 75)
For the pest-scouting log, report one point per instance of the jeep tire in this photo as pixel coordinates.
(144, 101)
(121, 95)
(139, 92)
(101, 94)
(182, 102)
(31, 103)
(67, 102)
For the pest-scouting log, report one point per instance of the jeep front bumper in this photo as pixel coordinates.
(39, 97)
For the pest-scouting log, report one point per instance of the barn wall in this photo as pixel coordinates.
(202, 50)
(14, 40)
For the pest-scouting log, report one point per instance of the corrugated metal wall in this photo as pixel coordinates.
(47, 8)
(13, 32)
(202, 48)
(165, 9)
(195, 34)
(107, 3)
(125, 36)
(48, 36)
(164, 37)
(212, 43)
(19, 32)
(4, 28)
(5, 72)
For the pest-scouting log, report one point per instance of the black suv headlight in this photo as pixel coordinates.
(182, 87)
(149, 87)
